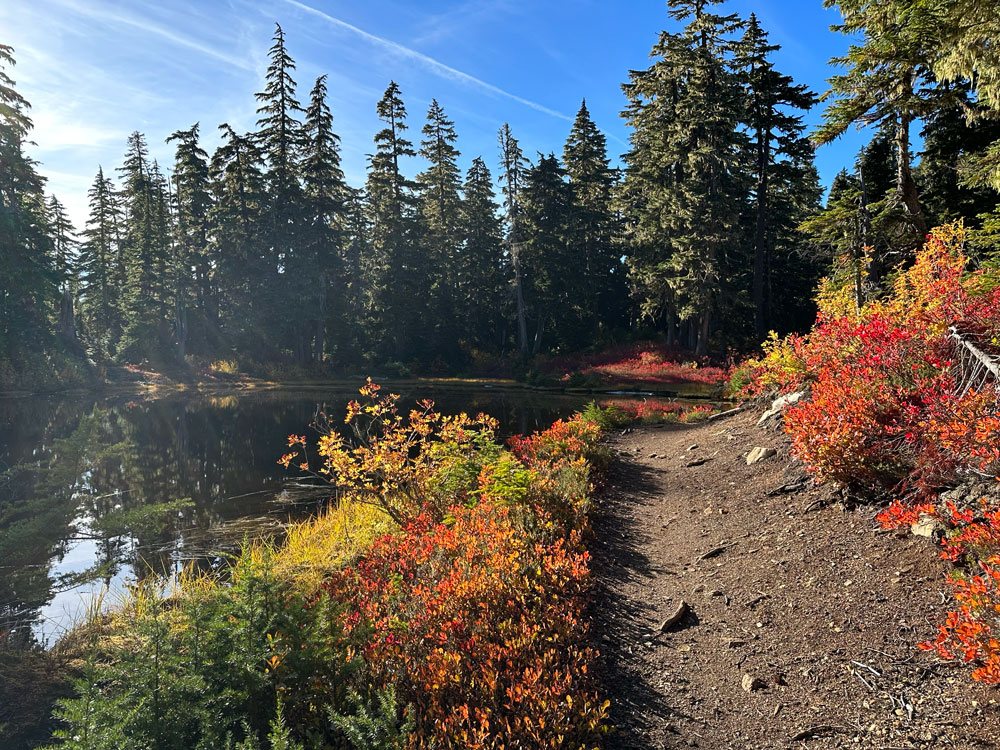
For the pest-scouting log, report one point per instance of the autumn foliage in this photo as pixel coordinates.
(893, 412)
(439, 602)
(643, 363)
(473, 612)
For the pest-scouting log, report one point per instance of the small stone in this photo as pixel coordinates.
(652, 455)
(758, 454)
(751, 683)
(779, 405)
(927, 526)
(692, 447)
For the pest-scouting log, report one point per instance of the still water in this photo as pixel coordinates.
(96, 492)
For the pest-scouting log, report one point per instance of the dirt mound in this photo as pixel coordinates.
(802, 615)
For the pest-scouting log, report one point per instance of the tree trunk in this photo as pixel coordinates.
(906, 188)
(522, 325)
(701, 349)
(180, 326)
(761, 322)
(67, 324)
(538, 336)
(320, 320)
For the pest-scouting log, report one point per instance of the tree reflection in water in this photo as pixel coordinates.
(96, 492)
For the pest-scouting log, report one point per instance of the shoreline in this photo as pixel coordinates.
(688, 391)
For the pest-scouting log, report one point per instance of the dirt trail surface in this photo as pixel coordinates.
(802, 614)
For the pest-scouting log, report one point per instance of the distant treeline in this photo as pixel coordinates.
(713, 233)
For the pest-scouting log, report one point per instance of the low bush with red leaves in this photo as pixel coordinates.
(643, 363)
(474, 613)
(890, 414)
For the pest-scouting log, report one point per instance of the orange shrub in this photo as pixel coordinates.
(482, 631)
(474, 612)
(888, 413)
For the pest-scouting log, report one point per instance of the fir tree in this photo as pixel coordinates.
(399, 271)
(594, 222)
(237, 231)
(97, 268)
(555, 292)
(951, 142)
(192, 261)
(887, 81)
(324, 201)
(145, 254)
(280, 133)
(778, 151)
(440, 207)
(691, 192)
(484, 271)
(28, 281)
(280, 140)
(513, 166)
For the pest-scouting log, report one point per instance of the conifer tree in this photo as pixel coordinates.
(237, 233)
(324, 201)
(440, 213)
(484, 271)
(778, 153)
(279, 137)
(146, 251)
(594, 222)
(887, 80)
(690, 193)
(280, 133)
(952, 142)
(554, 289)
(28, 282)
(192, 262)
(358, 272)
(98, 271)
(861, 231)
(399, 271)
(513, 166)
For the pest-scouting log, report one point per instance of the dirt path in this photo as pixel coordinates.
(803, 614)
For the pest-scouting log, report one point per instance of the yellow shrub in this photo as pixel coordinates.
(319, 545)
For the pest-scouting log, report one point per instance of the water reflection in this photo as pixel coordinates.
(97, 491)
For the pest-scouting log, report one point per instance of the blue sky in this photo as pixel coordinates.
(96, 70)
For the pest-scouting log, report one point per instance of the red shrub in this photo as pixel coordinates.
(481, 629)
(886, 412)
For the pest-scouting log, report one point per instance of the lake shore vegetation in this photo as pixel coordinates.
(440, 601)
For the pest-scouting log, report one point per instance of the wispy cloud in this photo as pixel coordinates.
(435, 66)
(114, 17)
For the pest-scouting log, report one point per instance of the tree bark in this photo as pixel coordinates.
(761, 322)
(701, 349)
(522, 325)
(906, 188)
(320, 333)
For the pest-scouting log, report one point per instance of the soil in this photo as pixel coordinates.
(802, 614)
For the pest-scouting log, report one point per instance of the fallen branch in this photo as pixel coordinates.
(713, 552)
(811, 732)
(724, 414)
(676, 617)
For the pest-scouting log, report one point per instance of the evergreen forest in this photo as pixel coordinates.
(713, 232)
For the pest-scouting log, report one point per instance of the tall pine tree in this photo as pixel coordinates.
(594, 223)
(399, 271)
(780, 163)
(325, 209)
(440, 211)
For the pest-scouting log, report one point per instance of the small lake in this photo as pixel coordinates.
(96, 492)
